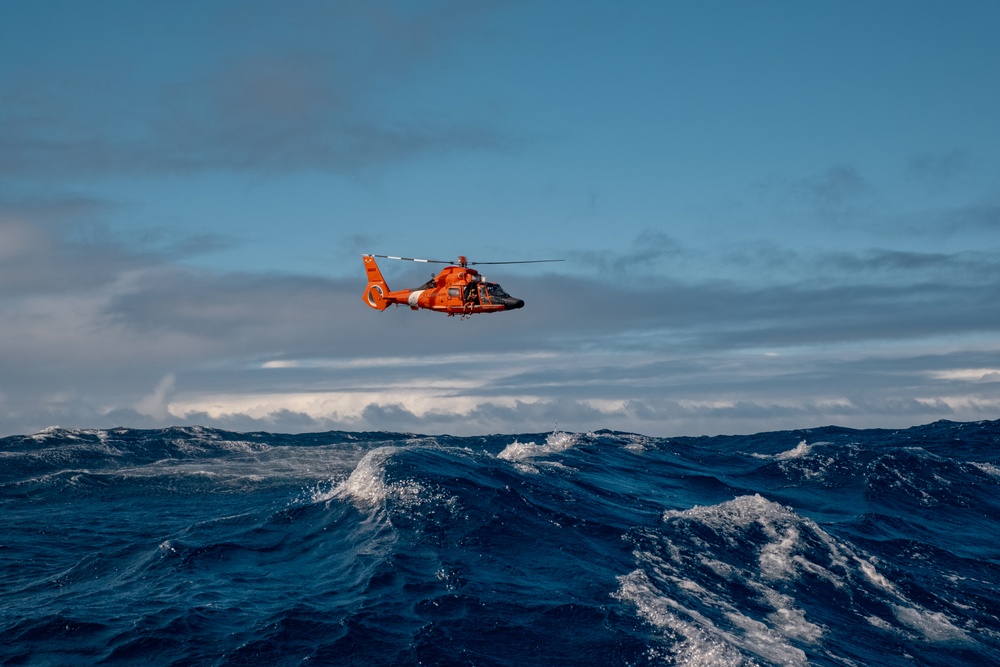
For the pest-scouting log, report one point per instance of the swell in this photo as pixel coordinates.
(192, 546)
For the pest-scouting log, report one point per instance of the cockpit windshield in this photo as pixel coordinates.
(496, 292)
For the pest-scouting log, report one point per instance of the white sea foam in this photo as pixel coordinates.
(633, 441)
(660, 600)
(988, 468)
(932, 626)
(206, 441)
(368, 489)
(702, 643)
(780, 557)
(366, 485)
(682, 573)
(789, 620)
(556, 442)
(69, 434)
(50, 432)
(739, 512)
(802, 449)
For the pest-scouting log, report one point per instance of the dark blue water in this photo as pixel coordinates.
(191, 546)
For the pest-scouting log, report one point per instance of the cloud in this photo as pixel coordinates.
(315, 97)
(650, 250)
(131, 336)
(983, 218)
(839, 193)
(938, 171)
(155, 404)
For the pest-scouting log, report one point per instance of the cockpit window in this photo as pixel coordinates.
(496, 292)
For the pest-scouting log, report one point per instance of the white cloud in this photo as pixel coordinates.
(968, 374)
(155, 405)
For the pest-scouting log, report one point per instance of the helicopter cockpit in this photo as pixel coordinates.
(496, 294)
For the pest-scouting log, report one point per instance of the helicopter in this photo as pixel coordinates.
(455, 290)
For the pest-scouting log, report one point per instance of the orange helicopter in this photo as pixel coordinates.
(456, 290)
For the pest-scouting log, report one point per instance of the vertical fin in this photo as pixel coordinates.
(376, 290)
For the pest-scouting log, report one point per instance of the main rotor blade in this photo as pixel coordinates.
(525, 261)
(413, 259)
(459, 263)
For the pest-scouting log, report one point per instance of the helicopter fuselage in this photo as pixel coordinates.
(455, 290)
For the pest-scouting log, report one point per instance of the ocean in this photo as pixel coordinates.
(193, 546)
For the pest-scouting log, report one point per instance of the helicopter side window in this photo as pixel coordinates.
(453, 291)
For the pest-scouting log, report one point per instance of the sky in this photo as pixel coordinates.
(773, 215)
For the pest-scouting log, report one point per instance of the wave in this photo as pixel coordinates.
(196, 546)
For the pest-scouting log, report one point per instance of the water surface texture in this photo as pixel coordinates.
(191, 546)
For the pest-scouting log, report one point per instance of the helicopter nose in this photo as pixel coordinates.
(510, 303)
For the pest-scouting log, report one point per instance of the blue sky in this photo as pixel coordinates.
(773, 215)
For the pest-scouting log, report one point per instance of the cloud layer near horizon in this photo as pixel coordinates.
(101, 334)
